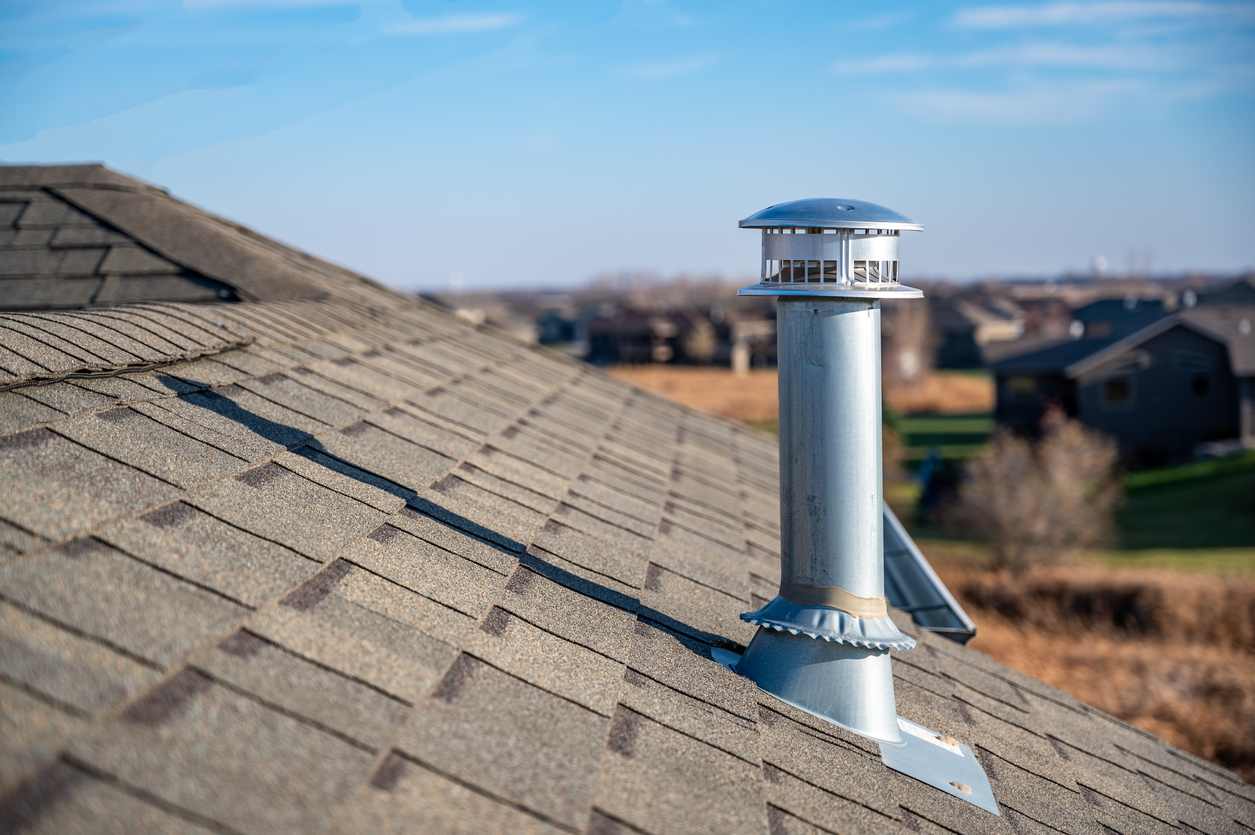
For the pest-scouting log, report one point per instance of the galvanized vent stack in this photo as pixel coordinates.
(823, 643)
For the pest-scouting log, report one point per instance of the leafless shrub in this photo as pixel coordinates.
(892, 454)
(1044, 502)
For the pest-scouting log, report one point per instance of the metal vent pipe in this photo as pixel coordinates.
(823, 642)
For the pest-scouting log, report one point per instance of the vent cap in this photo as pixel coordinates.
(831, 213)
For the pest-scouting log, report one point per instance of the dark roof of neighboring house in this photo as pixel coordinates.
(950, 315)
(1223, 323)
(1240, 292)
(1106, 321)
(1232, 324)
(632, 322)
(1046, 356)
(1120, 316)
(346, 563)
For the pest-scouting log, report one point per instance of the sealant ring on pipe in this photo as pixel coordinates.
(835, 598)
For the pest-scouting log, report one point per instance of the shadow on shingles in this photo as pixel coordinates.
(298, 441)
(532, 558)
(302, 443)
(466, 526)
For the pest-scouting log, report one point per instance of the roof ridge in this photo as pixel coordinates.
(254, 266)
(95, 371)
(36, 359)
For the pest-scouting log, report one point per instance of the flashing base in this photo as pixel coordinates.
(925, 755)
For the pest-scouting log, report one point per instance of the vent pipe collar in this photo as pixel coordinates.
(829, 625)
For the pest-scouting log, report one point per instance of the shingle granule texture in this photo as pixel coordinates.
(318, 557)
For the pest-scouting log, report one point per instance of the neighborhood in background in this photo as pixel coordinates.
(1166, 367)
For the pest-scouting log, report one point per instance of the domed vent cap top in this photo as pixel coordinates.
(830, 213)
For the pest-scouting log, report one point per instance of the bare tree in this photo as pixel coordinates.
(1045, 502)
(906, 344)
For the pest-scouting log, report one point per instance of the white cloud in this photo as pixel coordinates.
(901, 62)
(877, 23)
(652, 15)
(195, 5)
(1068, 55)
(669, 69)
(1040, 104)
(457, 24)
(1124, 57)
(1097, 13)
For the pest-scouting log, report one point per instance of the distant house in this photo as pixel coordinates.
(757, 338)
(1240, 292)
(1160, 384)
(632, 336)
(554, 327)
(964, 326)
(567, 329)
(1109, 318)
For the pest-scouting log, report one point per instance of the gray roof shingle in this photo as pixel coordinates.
(125, 604)
(223, 755)
(518, 742)
(202, 549)
(329, 560)
(54, 254)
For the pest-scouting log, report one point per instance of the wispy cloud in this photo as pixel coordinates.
(1040, 55)
(1098, 13)
(877, 23)
(660, 70)
(652, 14)
(880, 64)
(194, 5)
(1125, 57)
(1040, 104)
(457, 24)
(1044, 102)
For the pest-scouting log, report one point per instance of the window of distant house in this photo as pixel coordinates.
(1117, 393)
(1022, 389)
(1198, 367)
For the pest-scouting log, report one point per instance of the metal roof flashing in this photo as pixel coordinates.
(912, 586)
(934, 759)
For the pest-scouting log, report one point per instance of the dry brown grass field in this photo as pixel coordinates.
(1169, 651)
(751, 397)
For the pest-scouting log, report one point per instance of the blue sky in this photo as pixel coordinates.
(540, 144)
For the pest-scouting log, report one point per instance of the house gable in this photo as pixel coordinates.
(1163, 397)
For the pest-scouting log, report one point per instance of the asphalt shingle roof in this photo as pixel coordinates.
(53, 254)
(351, 566)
